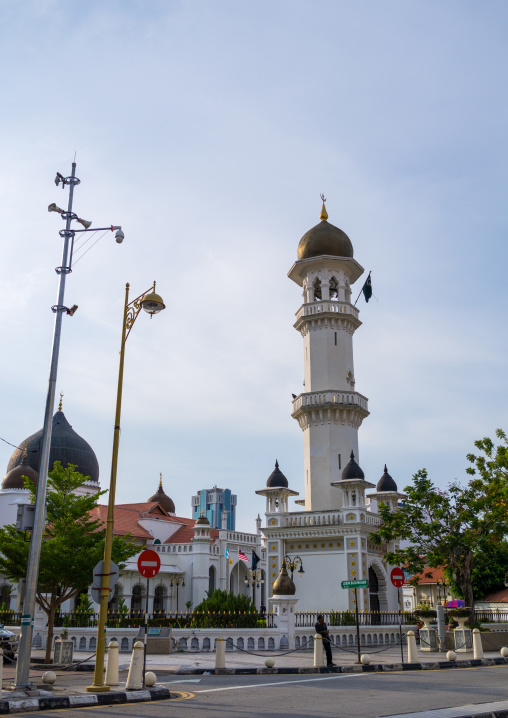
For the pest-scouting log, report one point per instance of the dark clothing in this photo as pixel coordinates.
(322, 629)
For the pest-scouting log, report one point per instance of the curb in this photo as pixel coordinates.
(83, 700)
(374, 668)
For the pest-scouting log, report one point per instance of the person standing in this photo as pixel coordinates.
(322, 629)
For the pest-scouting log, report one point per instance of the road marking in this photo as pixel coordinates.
(283, 683)
(166, 683)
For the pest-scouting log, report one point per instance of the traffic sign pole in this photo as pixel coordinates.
(146, 630)
(400, 627)
(149, 564)
(357, 625)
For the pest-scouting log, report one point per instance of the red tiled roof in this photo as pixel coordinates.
(437, 574)
(498, 596)
(127, 518)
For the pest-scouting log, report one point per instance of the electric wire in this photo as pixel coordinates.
(91, 246)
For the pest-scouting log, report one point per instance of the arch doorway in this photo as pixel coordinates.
(211, 579)
(159, 598)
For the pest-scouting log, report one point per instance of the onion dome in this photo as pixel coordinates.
(324, 238)
(283, 586)
(202, 521)
(352, 470)
(277, 480)
(66, 446)
(15, 478)
(386, 483)
(163, 499)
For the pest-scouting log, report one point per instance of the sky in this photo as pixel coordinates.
(208, 131)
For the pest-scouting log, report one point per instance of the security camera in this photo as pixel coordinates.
(119, 236)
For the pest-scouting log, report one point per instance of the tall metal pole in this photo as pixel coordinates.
(98, 683)
(32, 576)
(357, 626)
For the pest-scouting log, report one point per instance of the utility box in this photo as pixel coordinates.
(25, 517)
(158, 640)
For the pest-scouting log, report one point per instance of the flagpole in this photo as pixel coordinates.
(361, 290)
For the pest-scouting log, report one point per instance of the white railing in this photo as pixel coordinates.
(327, 306)
(237, 537)
(313, 518)
(337, 398)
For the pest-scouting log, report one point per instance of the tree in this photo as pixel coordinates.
(454, 528)
(218, 600)
(73, 543)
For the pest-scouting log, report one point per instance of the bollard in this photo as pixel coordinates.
(504, 651)
(451, 656)
(220, 654)
(319, 658)
(135, 677)
(112, 664)
(412, 653)
(477, 644)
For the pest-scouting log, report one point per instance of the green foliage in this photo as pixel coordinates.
(342, 618)
(73, 542)
(452, 528)
(222, 601)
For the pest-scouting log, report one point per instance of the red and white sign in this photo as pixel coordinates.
(149, 563)
(396, 577)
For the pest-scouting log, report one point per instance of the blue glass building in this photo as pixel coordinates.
(212, 502)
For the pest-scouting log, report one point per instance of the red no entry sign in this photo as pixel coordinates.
(396, 577)
(149, 563)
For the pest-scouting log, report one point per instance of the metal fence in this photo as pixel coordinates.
(135, 619)
(308, 619)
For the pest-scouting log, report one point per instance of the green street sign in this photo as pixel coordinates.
(355, 584)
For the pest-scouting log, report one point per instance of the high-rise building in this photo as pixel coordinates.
(211, 503)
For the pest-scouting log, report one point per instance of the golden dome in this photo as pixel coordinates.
(283, 586)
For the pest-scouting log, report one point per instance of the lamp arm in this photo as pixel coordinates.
(133, 310)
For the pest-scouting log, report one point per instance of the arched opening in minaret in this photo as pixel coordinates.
(334, 288)
(211, 579)
(316, 285)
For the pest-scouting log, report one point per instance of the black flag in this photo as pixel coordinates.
(367, 289)
(255, 560)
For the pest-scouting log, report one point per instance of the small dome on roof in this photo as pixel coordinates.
(386, 483)
(283, 586)
(202, 521)
(277, 480)
(163, 499)
(14, 479)
(352, 470)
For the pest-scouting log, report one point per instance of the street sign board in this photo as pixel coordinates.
(149, 563)
(97, 580)
(397, 577)
(355, 584)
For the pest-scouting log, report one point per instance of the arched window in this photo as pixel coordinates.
(159, 598)
(374, 593)
(117, 600)
(334, 288)
(137, 597)
(211, 579)
(317, 288)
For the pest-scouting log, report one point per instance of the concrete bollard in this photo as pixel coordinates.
(412, 652)
(112, 664)
(220, 654)
(477, 644)
(135, 677)
(319, 658)
(451, 656)
(504, 651)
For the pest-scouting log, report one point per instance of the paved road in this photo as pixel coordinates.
(362, 695)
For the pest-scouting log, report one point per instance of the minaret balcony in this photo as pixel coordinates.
(338, 407)
(328, 312)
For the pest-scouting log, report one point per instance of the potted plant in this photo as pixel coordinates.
(426, 614)
(460, 615)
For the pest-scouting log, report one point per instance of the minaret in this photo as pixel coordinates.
(329, 410)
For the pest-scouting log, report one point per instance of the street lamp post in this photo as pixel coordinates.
(153, 304)
(292, 564)
(254, 576)
(32, 575)
(177, 581)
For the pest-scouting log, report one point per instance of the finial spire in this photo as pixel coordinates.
(25, 454)
(324, 214)
(160, 481)
(276, 464)
(60, 404)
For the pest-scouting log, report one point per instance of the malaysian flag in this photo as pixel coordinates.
(242, 556)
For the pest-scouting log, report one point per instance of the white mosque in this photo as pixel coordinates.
(329, 533)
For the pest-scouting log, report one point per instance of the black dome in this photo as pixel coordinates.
(163, 499)
(14, 479)
(352, 470)
(277, 480)
(386, 483)
(66, 447)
